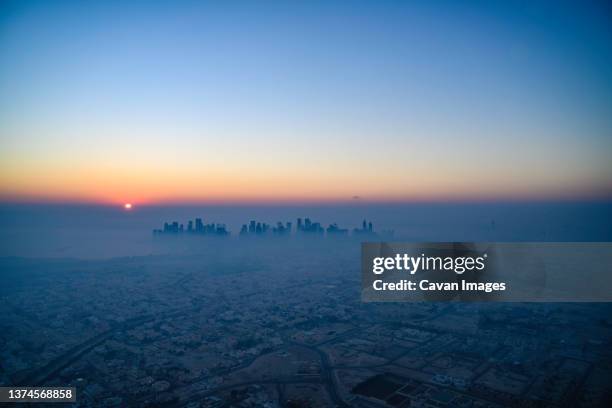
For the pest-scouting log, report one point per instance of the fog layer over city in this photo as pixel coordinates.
(102, 232)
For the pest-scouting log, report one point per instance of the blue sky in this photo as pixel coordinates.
(247, 101)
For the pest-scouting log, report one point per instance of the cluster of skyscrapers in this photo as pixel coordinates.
(261, 228)
(197, 227)
(256, 228)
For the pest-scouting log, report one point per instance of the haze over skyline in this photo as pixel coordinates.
(153, 102)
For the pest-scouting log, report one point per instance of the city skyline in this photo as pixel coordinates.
(185, 102)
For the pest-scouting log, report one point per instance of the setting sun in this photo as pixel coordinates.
(127, 206)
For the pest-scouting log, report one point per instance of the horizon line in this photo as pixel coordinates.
(298, 203)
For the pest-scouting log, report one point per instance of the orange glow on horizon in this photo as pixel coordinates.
(149, 184)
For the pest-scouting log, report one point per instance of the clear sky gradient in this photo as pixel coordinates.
(156, 101)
